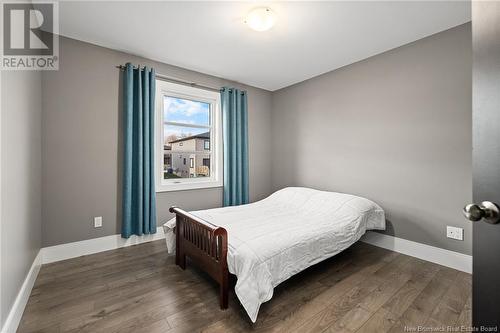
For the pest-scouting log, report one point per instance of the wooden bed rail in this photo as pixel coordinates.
(206, 245)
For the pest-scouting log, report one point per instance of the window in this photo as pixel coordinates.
(188, 125)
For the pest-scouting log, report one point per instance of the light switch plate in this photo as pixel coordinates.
(98, 222)
(455, 233)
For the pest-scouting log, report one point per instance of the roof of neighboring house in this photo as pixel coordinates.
(205, 135)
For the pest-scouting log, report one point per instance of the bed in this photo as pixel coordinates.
(266, 242)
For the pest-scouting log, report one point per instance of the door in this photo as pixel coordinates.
(486, 163)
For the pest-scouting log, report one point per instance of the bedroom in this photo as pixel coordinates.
(249, 166)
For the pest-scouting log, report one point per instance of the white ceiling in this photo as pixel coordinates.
(309, 38)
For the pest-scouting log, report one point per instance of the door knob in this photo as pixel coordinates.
(486, 210)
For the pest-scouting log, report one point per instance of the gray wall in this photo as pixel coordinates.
(395, 128)
(21, 180)
(82, 140)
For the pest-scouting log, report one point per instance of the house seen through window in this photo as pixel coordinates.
(190, 124)
(186, 132)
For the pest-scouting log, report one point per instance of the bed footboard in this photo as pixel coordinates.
(206, 245)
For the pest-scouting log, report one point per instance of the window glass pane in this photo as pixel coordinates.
(184, 152)
(180, 135)
(186, 111)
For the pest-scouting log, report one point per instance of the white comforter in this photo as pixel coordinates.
(277, 237)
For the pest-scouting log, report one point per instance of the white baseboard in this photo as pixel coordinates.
(95, 245)
(16, 312)
(455, 260)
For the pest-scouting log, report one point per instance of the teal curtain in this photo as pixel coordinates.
(235, 134)
(138, 197)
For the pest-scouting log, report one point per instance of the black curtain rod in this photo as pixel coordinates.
(175, 80)
(179, 81)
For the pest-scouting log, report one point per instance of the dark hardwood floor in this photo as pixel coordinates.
(139, 289)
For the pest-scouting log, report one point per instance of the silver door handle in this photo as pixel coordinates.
(486, 210)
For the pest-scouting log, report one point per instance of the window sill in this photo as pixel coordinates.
(187, 186)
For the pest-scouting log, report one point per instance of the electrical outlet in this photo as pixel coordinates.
(455, 233)
(98, 222)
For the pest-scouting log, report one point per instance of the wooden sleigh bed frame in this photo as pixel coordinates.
(206, 245)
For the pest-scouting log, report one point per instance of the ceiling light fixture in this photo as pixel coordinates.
(260, 19)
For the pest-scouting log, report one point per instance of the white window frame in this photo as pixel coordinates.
(164, 88)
